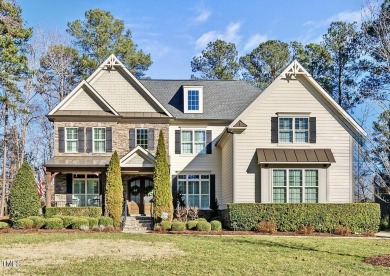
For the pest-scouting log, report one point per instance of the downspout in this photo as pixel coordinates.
(234, 166)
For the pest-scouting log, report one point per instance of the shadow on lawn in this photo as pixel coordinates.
(288, 246)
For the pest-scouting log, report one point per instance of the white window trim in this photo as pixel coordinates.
(147, 135)
(185, 98)
(74, 140)
(85, 178)
(193, 142)
(293, 129)
(287, 187)
(200, 188)
(93, 140)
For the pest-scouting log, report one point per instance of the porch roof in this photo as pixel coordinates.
(78, 161)
(300, 156)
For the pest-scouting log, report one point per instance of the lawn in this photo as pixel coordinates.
(131, 254)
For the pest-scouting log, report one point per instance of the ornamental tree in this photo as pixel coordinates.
(23, 198)
(163, 201)
(114, 190)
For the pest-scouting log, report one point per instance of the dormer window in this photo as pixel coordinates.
(193, 99)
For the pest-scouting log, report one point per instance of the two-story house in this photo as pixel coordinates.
(228, 140)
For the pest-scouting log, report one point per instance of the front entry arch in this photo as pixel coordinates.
(140, 191)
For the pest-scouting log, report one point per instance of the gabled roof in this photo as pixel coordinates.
(295, 69)
(222, 99)
(79, 89)
(141, 157)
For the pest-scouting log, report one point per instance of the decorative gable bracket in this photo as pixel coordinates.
(294, 69)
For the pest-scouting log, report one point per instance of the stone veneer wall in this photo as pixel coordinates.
(120, 136)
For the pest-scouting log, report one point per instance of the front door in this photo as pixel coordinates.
(140, 195)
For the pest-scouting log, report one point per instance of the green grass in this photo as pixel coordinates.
(213, 255)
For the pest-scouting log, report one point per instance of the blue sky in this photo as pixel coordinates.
(174, 31)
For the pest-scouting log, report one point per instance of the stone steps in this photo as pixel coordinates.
(138, 224)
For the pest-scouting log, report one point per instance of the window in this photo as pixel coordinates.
(99, 139)
(193, 141)
(142, 137)
(86, 190)
(193, 99)
(195, 190)
(71, 139)
(295, 186)
(293, 130)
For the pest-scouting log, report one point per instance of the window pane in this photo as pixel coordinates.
(279, 195)
(79, 200)
(205, 177)
(100, 146)
(285, 136)
(99, 133)
(193, 176)
(182, 187)
(301, 123)
(193, 187)
(71, 133)
(186, 136)
(193, 200)
(295, 195)
(142, 138)
(71, 146)
(205, 202)
(193, 100)
(279, 177)
(301, 137)
(295, 178)
(186, 148)
(200, 136)
(205, 187)
(78, 186)
(200, 148)
(92, 200)
(311, 178)
(285, 123)
(93, 186)
(311, 195)
(182, 176)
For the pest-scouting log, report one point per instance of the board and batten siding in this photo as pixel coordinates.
(292, 96)
(201, 163)
(227, 171)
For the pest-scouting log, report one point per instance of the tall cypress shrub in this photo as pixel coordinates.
(23, 198)
(162, 201)
(114, 190)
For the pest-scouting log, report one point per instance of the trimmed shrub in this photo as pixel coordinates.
(4, 225)
(54, 223)
(77, 222)
(201, 219)
(67, 220)
(93, 222)
(24, 223)
(162, 201)
(93, 212)
(105, 221)
(359, 217)
(203, 226)
(342, 230)
(266, 227)
(191, 225)
(23, 198)
(38, 222)
(166, 225)
(114, 190)
(216, 225)
(178, 226)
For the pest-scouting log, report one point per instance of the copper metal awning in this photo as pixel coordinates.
(78, 161)
(320, 156)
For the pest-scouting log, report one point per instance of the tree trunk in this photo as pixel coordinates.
(4, 160)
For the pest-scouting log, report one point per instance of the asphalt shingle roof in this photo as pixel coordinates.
(222, 100)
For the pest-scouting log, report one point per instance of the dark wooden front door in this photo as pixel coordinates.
(139, 196)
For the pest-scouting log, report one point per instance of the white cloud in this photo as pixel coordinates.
(203, 16)
(229, 35)
(254, 41)
(346, 16)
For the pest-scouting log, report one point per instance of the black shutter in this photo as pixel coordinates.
(69, 178)
(151, 138)
(89, 139)
(274, 130)
(313, 130)
(80, 137)
(61, 139)
(209, 142)
(174, 191)
(131, 138)
(108, 139)
(177, 142)
(212, 189)
(102, 180)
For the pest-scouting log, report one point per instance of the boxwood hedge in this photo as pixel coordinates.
(324, 217)
(94, 212)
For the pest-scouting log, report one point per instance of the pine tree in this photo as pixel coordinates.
(162, 201)
(114, 190)
(24, 199)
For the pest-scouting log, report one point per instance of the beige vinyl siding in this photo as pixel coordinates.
(227, 171)
(201, 163)
(292, 96)
(82, 101)
(120, 93)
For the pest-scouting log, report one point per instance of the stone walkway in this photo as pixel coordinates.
(383, 234)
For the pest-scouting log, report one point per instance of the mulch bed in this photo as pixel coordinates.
(381, 260)
(42, 231)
